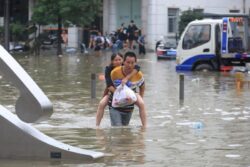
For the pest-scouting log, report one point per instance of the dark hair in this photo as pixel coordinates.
(130, 54)
(113, 57)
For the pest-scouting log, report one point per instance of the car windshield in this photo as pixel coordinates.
(196, 35)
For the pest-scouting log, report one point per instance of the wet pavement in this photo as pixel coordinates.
(210, 128)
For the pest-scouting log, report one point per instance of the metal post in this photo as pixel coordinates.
(181, 87)
(93, 86)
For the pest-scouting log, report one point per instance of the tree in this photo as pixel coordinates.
(188, 16)
(6, 25)
(78, 12)
(17, 30)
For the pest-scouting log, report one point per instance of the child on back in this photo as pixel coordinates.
(116, 60)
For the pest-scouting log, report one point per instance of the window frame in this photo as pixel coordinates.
(173, 16)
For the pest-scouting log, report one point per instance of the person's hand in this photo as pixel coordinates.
(124, 81)
(129, 100)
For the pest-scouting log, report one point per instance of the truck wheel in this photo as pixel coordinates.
(204, 67)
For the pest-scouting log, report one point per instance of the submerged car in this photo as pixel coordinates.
(17, 47)
(163, 52)
(165, 49)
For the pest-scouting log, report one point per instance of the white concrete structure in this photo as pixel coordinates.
(19, 139)
(160, 17)
(32, 105)
(74, 37)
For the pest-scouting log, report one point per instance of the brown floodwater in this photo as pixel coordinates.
(209, 128)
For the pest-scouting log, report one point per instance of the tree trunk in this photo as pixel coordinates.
(59, 38)
(6, 25)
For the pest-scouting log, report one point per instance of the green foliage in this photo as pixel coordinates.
(17, 30)
(188, 16)
(79, 12)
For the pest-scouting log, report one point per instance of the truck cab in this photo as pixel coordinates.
(210, 44)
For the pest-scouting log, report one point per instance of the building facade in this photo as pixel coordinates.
(159, 18)
(18, 11)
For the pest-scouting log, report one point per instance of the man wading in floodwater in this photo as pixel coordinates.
(120, 116)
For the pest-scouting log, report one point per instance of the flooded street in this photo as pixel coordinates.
(210, 128)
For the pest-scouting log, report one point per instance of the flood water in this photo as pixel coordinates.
(210, 128)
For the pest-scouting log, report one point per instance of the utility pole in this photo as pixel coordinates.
(59, 38)
(6, 24)
(244, 8)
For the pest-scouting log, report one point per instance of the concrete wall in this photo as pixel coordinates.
(109, 16)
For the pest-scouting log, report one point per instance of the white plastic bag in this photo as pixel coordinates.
(123, 96)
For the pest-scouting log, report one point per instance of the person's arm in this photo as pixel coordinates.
(111, 89)
(125, 80)
(135, 70)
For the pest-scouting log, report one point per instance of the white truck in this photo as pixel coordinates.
(212, 44)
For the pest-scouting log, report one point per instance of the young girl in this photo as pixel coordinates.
(116, 60)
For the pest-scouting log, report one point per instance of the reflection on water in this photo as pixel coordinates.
(170, 138)
(123, 145)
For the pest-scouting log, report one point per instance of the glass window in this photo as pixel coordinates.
(198, 10)
(234, 11)
(196, 35)
(172, 20)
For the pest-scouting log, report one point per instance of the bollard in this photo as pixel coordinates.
(93, 86)
(239, 80)
(181, 88)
